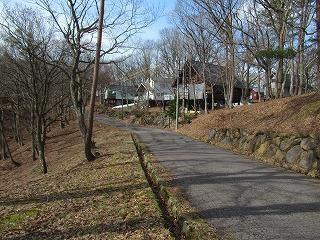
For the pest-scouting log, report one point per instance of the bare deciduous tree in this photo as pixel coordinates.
(76, 21)
(27, 40)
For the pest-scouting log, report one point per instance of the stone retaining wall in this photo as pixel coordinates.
(296, 152)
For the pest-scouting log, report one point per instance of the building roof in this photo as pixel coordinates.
(160, 79)
(163, 85)
(130, 89)
(141, 88)
(214, 74)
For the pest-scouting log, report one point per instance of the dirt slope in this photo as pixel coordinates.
(300, 114)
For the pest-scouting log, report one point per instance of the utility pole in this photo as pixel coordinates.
(88, 139)
(183, 89)
(177, 102)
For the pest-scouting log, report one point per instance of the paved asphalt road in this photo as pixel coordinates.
(242, 198)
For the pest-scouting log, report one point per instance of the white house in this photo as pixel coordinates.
(157, 89)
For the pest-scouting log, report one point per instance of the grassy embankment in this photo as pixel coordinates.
(108, 198)
(295, 115)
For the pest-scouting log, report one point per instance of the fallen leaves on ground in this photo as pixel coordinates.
(294, 115)
(108, 198)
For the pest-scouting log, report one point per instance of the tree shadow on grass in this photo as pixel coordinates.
(7, 201)
(67, 133)
(120, 227)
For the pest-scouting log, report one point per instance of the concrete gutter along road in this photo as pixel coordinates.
(241, 198)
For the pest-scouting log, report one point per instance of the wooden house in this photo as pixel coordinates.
(157, 92)
(192, 74)
(254, 95)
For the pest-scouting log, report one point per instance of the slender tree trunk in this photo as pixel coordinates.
(122, 102)
(78, 106)
(292, 78)
(212, 98)
(2, 140)
(291, 66)
(246, 92)
(259, 84)
(194, 98)
(5, 146)
(227, 80)
(280, 74)
(61, 115)
(17, 128)
(204, 88)
(183, 94)
(177, 106)
(268, 81)
(194, 87)
(279, 78)
(9, 153)
(41, 132)
(33, 131)
(232, 76)
(282, 88)
(306, 85)
(34, 148)
(43, 158)
(301, 66)
(81, 121)
(127, 97)
(88, 140)
(188, 100)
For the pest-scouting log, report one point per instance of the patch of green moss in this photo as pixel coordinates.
(15, 220)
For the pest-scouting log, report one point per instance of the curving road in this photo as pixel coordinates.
(242, 198)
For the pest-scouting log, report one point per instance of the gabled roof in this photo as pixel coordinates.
(141, 88)
(214, 74)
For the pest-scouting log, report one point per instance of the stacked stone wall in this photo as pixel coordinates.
(296, 152)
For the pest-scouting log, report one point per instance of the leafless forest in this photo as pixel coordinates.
(48, 50)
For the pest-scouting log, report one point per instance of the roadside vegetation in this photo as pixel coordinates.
(186, 221)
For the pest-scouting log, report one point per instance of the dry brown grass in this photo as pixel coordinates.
(108, 198)
(300, 114)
